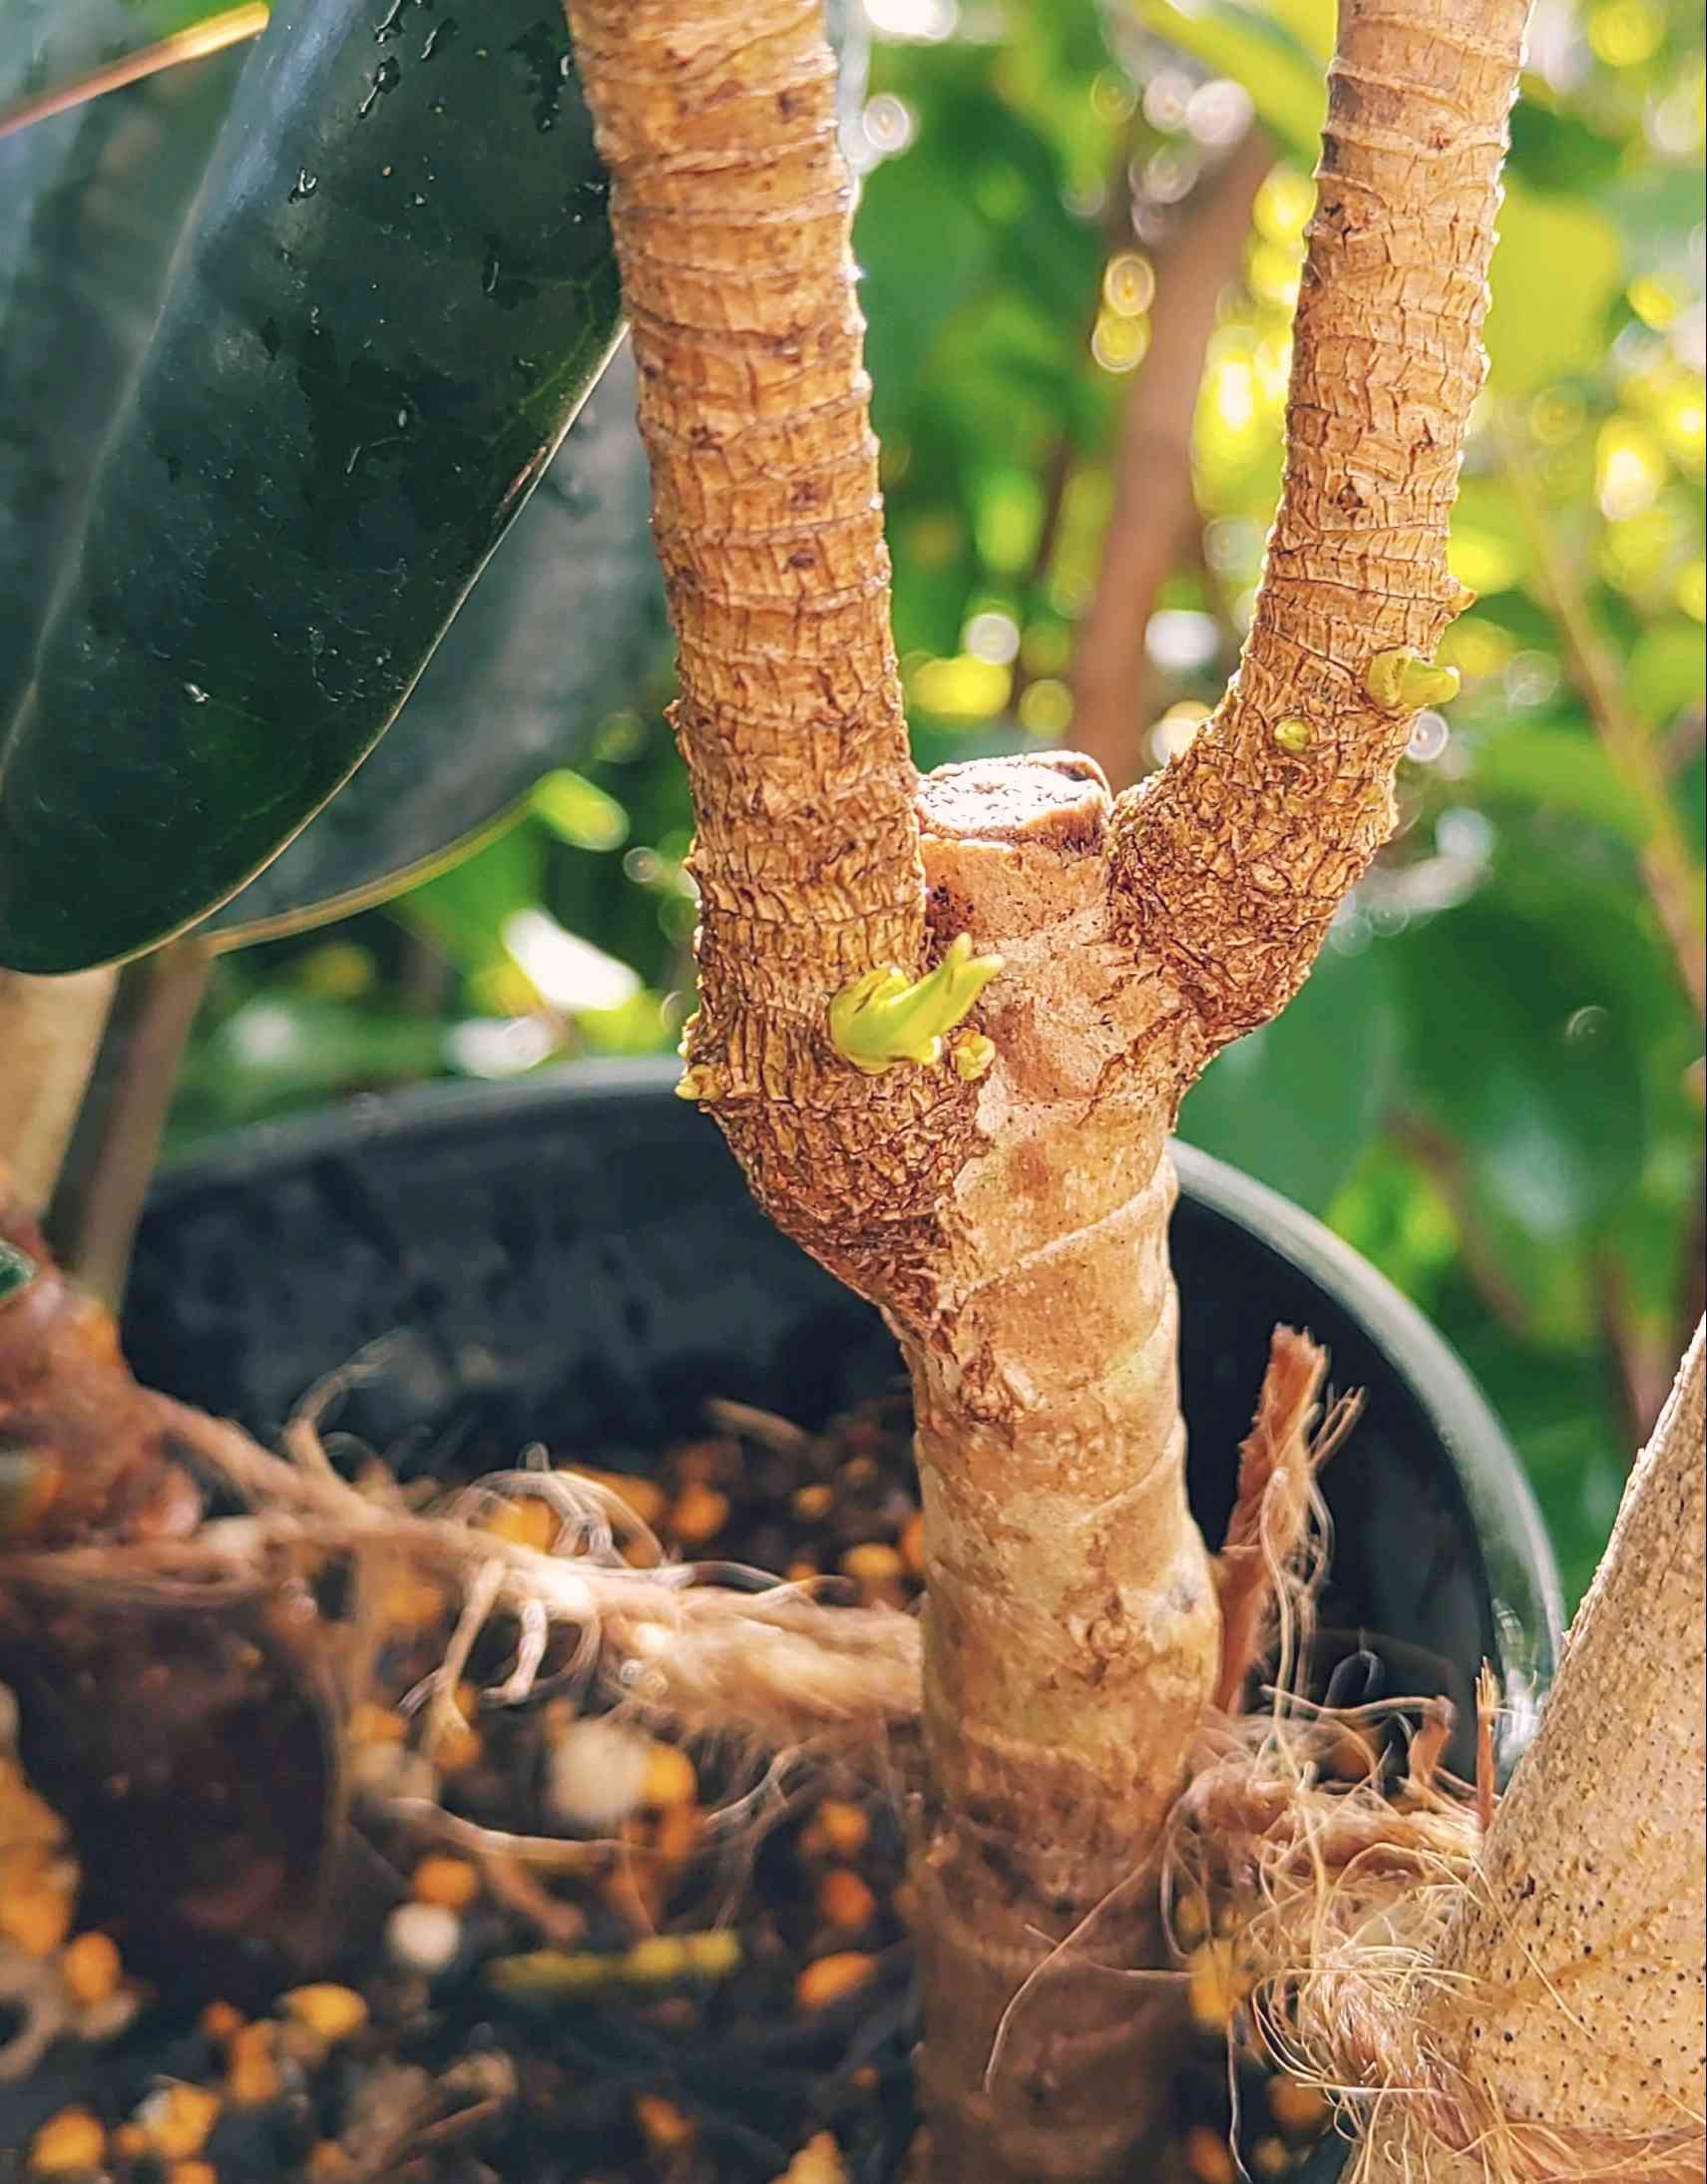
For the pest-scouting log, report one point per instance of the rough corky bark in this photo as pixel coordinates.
(1234, 860)
(1012, 1224)
(1568, 2031)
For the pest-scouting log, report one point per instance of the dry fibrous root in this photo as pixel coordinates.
(778, 1666)
(155, 1653)
(1507, 1991)
(1329, 1881)
(1271, 1563)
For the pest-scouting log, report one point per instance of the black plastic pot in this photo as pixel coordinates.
(575, 1261)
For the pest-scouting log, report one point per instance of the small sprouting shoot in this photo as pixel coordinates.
(1294, 737)
(17, 1270)
(885, 1017)
(972, 1054)
(1400, 681)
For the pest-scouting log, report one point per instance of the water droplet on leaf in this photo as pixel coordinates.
(386, 76)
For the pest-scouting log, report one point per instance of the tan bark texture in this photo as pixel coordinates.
(1566, 2038)
(48, 1031)
(1231, 863)
(1008, 1207)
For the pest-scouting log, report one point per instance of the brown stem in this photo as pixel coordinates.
(731, 208)
(1154, 499)
(197, 40)
(1008, 1216)
(1642, 1376)
(1672, 875)
(1230, 864)
(112, 1157)
(50, 1028)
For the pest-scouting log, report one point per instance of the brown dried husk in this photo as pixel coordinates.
(1344, 1902)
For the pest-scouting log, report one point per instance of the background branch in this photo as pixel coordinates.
(1154, 501)
(1673, 879)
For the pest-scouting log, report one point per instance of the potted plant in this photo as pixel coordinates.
(947, 1036)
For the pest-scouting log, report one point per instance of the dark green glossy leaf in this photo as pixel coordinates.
(514, 690)
(397, 288)
(94, 201)
(1295, 1104)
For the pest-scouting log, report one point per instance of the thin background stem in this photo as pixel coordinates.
(1673, 879)
(193, 43)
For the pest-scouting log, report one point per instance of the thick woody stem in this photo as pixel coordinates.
(1577, 2044)
(1230, 864)
(731, 208)
(1010, 1215)
(1071, 1628)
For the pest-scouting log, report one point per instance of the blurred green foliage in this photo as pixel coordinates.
(1486, 1087)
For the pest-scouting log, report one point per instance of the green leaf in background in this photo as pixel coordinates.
(1665, 672)
(463, 910)
(1548, 322)
(395, 290)
(485, 914)
(1278, 65)
(579, 813)
(1523, 1050)
(1554, 151)
(1557, 769)
(282, 1051)
(1295, 1104)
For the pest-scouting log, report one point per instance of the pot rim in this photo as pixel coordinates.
(1522, 1575)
